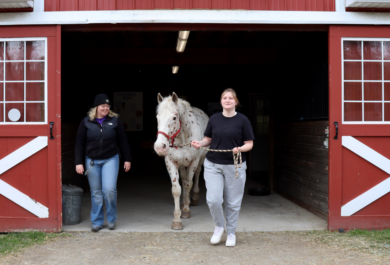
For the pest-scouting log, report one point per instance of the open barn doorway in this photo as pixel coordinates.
(282, 83)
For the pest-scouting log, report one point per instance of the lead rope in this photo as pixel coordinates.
(235, 156)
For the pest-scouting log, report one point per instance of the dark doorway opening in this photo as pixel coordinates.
(280, 77)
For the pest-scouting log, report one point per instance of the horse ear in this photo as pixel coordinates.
(175, 98)
(159, 98)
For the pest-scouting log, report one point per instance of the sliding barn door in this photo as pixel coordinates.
(30, 196)
(359, 114)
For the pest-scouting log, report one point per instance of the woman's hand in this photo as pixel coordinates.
(127, 166)
(236, 149)
(80, 169)
(196, 144)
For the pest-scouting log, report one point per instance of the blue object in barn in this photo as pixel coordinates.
(71, 204)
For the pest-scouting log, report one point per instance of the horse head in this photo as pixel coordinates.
(169, 125)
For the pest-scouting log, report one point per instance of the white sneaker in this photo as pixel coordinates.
(231, 240)
(218, 232)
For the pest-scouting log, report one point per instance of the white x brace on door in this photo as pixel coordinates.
(374, 193)
(13, 194)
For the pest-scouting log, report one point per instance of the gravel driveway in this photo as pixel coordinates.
(187, 248)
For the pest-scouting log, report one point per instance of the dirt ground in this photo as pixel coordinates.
(188, 248)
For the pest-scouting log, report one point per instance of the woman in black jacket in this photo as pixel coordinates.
(100, 139)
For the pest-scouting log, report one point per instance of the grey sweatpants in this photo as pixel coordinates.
(223, 187)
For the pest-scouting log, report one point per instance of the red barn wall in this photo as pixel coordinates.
(286, 5)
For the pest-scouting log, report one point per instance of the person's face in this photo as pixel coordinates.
(102, 110)
(228, 102)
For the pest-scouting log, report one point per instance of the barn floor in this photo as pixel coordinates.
(145, 204)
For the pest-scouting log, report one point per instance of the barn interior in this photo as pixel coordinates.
(281, 78)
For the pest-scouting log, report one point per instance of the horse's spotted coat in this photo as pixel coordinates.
(171, 111)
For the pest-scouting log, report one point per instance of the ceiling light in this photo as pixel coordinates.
(175, 69)
(181, 45)
(184, 34)
(182, 40)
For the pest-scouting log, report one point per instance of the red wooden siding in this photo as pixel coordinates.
(292, 5)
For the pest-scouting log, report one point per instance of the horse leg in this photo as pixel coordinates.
(183, 172)
(185, 213)
(176, 192)
(187, 186)
(195, 191)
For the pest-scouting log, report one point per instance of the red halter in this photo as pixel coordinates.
(171, 137)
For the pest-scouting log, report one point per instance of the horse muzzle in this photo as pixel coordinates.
(161, 148)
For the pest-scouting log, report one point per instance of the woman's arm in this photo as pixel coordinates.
(80, 147)
(248, 145)
(123, 144)
(203, 143)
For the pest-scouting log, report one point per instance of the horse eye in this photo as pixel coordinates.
(174, 118)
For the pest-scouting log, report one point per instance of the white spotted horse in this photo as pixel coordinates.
(178, 125)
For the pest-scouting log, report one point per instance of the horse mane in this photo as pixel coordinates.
(167, 105)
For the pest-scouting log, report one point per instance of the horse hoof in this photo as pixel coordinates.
(181, 206)
(177, 226)
(185, 214)
(194, 202)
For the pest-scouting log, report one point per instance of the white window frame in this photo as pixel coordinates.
(4, 122)
(362, 81)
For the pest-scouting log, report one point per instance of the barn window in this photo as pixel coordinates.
(366, 80)
(23, 81)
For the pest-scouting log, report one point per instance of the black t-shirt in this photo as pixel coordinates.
(227, 133)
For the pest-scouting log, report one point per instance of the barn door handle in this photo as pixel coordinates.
(337, 130)
(51, 130)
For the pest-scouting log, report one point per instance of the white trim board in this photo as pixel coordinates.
(195, 16)
(368, 3)
(377, 160)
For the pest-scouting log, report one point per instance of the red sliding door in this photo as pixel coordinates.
(30, 162)
(359, 112)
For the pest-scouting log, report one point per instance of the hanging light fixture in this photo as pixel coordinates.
(175, 69)
(182, 40)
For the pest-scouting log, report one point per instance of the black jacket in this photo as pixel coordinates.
(101, 141)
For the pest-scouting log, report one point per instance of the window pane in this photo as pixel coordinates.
(14, 71)
(352, 111)
(352, 91)
(386, 50)
(387, 111)
(1, 91)
(352, 70)
(373, 91)
(14, 50)
(353, 50)
(372, 71)
(35, 70)
(387, 91)
(14, 91)
(1, 112)
(372, 111)
(372, 50)
(1, 71)
(35, 50)
(35, 112)
(14, 112)
(386, 70)
(35, 91)
(1, 51)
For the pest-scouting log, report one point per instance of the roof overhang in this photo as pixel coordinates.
(16, 4)
(367, 4)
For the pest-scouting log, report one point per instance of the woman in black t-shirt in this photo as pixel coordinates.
(226, 130)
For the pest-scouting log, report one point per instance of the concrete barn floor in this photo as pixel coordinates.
(145, 204)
